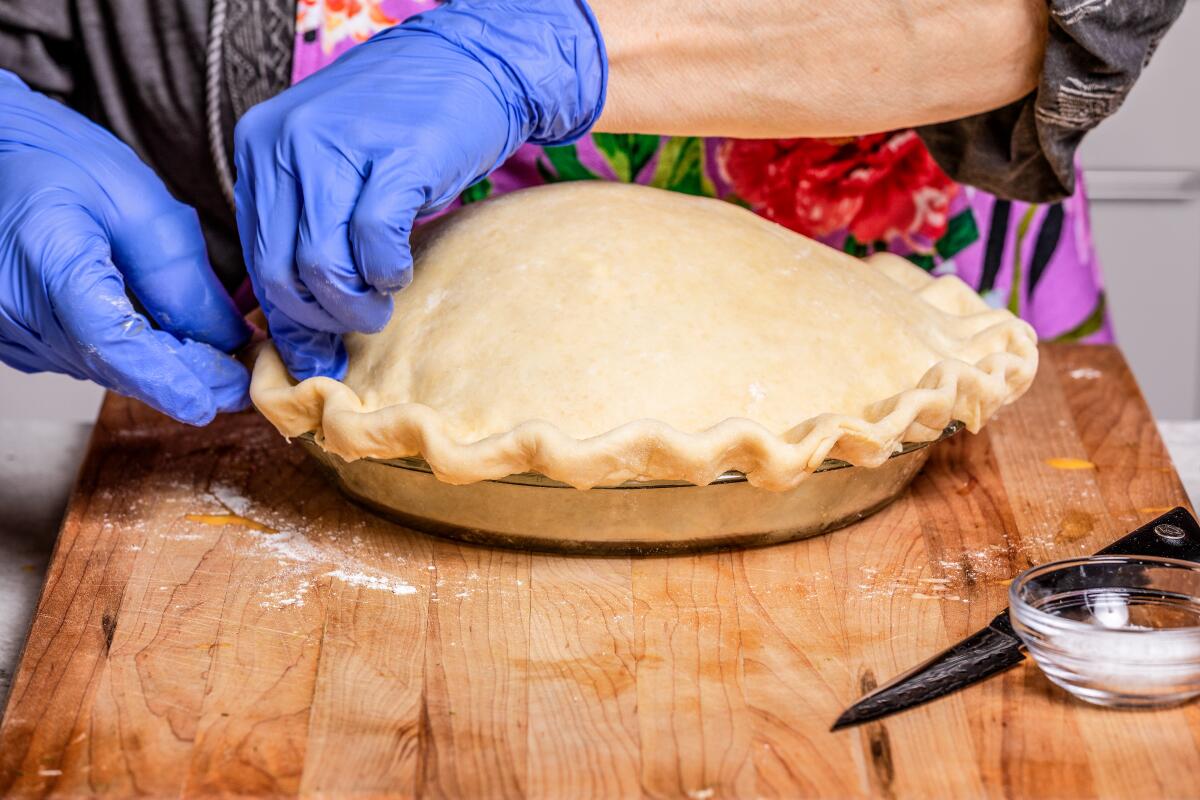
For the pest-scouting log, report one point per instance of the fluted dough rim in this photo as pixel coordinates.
(647, 449)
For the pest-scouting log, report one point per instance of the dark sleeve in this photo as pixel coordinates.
(141, 69)
(35, 43)
(1025, 151)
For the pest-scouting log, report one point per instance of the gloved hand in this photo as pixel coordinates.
(332, 172)
(81, 218)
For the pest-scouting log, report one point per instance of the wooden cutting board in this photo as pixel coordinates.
(217, 620)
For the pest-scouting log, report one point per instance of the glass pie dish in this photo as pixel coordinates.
(652, 517)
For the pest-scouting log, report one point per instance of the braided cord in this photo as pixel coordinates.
(214, 59)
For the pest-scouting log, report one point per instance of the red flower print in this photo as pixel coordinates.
(879, 187)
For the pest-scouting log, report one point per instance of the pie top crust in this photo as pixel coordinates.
(601, 332)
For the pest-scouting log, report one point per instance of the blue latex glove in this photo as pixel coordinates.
(333, 172)
(81, 219)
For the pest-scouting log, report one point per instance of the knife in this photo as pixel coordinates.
(996, 648)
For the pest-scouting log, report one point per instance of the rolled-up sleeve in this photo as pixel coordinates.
(1095, 52)
(36, 43)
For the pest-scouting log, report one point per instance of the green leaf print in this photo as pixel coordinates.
(1090, 325)
(854, 247)
(960, 232)
(681, 167)
(564, 165)
(476, 192)
(922, 260)
(626, 153)
(1014, 289)
(737, 201)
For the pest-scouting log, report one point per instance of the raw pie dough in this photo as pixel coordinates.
(600, 332)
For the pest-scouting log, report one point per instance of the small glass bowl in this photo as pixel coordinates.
(1113, 630)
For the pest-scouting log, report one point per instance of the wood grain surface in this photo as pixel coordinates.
(219, 621)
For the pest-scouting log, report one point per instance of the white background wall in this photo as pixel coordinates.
(1143, 172)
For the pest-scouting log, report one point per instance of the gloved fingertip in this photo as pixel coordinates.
(197, 409)
(379, 231)
(229, 335)
(401, 281)
(233, 405)
(389, 281)
(374, 312)
(313, 359)
(233, 395)
(307, 353)
(225, 376)
(210, 365)
(392, 279)
(183, 397)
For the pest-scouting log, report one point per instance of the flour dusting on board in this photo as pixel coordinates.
(379, 582)
(300, 559)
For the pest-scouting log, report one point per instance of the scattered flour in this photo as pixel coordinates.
(301, 559)
(380, 582)
(282, 598)
(231, 499)
(290, 546)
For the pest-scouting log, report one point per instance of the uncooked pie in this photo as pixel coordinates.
(600, 332)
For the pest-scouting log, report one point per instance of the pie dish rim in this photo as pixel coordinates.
(538, 480)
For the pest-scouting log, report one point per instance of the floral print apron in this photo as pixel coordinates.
(861, 194)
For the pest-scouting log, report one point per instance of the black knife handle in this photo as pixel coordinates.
(1173, 535)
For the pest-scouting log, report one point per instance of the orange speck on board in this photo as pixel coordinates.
(227, 519)
(1069, 463)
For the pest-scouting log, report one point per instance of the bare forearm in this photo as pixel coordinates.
(767, 68)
